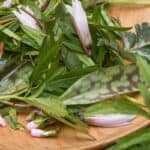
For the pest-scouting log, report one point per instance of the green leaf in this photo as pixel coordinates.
(56, 109)
(115, 106)
(72, 61)
(103, 84)
(49, 53)
(145, 93)
(15, 79)
(61, 82)
(144, 68)
(51, 106)
(36, 35)
(137, 43)
(111, 28)
(87, 61)
(137, 138)
(10, 33)
(12, 120)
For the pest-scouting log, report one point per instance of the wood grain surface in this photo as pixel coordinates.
(69, 139)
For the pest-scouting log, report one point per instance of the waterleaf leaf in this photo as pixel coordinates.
(103, 84)
(57, 110)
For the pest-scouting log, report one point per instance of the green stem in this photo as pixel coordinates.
(90, 3)
(130, 2)
(135, 101)
(10, 97)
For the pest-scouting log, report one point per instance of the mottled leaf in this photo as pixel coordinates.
(103, 84)
(137, 43)
(15, 79)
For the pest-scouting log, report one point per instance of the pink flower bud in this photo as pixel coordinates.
(29, 118)
(42, 133)
(38, 112)
(37, 132)
(32, 125)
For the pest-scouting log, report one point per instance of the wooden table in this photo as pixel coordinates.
(69, 139)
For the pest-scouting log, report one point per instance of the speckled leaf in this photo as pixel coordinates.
(137, 43)
(103, 84)
(15, 79)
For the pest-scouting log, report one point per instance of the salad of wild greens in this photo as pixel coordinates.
(63, 61)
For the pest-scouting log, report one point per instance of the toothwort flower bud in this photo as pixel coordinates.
(27, 17)
(31, 116)
(38, 112)
(109, 120)
(7, 3)
(42, 133)
(35, 124)
(2, 121)
(81, 24)
(32, 125)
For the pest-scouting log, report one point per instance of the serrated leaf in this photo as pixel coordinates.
(103, 84)
(50, 106)
(57, 110)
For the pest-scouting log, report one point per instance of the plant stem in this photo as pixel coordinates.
(10, 97)
(126, 2)
(90, 3)
(135, 101)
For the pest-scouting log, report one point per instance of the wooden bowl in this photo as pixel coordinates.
(70, 139)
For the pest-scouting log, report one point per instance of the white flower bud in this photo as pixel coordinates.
(109, 120)
(81, 24)
(2, 121)
(42, 133)
(7, 3)
(32, 125)
(26, 17)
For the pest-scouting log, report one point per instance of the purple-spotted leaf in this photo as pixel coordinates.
(103, 84)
